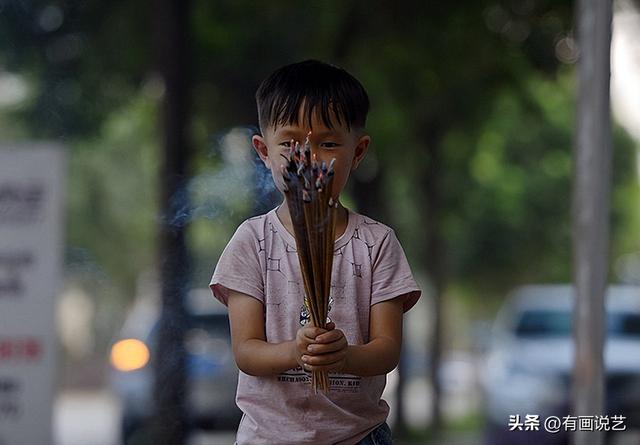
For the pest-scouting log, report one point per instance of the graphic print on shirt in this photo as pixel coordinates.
(305, 316)
(338, 383)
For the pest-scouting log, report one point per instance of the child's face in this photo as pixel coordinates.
(348, 147)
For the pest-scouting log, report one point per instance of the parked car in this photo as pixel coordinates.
(530, 360)
(211, 371)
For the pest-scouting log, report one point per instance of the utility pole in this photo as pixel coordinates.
(591, 203)
(172, 44)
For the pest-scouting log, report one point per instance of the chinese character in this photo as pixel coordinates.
(569, 423)
(515, 423)
(618, 423)
(586, 423)
(602, 423)
(532, 422)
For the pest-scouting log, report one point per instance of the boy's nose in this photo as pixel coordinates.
(319, 156)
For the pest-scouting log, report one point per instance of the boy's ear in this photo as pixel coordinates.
(260, 146)
(360, 151)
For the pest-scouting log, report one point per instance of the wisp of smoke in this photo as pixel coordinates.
(242, 184)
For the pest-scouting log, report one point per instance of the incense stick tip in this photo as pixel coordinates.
(331, 164)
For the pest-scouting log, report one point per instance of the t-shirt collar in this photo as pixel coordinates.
(273, 218)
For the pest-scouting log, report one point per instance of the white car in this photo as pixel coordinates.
(211, 371)
(530, 359)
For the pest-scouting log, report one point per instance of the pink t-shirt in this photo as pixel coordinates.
(369, 266)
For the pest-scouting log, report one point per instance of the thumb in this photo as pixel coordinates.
(330, 326)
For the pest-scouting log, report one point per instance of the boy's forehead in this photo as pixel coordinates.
(317, 130)
(310, 120)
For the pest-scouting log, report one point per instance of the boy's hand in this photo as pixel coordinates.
(305, 336)
(326, 351)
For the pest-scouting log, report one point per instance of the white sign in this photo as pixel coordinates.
(31, 211)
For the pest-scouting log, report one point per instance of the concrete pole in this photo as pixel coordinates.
(591, 202)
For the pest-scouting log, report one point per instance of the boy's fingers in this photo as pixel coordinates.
(330, 336)
(323, 360)
(312, 368)
(312, 332)
(316, 348)
(328, 367)
(331, 326)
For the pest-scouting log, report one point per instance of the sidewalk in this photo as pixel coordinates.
(92, 417)
(86, 417)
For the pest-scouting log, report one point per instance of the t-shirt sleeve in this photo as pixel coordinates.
(238, 267)
(392, 275)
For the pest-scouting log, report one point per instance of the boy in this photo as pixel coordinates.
(258, 277)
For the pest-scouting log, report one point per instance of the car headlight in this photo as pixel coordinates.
(129, 354)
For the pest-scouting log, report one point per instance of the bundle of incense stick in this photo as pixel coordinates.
(307, 186)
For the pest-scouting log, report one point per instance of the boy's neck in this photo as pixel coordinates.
(342, 219)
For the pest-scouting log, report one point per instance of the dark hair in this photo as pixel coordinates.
(321, 87)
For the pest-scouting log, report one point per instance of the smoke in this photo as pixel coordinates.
(240, 185)
(80, 262)
(265, 195)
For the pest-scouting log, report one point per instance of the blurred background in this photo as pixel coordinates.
(472, 123)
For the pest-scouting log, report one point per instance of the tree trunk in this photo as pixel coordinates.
(433, 256)
(170, 425)
(591, 211)
(435, 260)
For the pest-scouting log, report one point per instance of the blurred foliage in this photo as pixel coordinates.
(481, 81)
(113, 197)
(81, 60)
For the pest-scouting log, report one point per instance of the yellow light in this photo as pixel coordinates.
(129, 355)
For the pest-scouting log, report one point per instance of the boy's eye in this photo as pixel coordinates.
(285, 144)
(329, 144)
